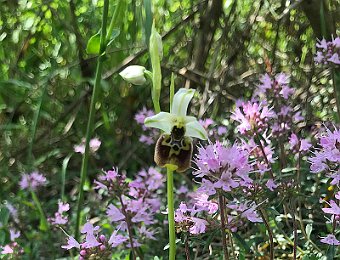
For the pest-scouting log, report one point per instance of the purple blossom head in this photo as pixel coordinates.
(94, 145)
(246, 210)
(327, 157)
(112, 181)
(222, 167)
(187, 222)
(142, 114)
(298, 145)
(274, 87)
(32, 181)
(328, 52)
(95, 244)
(60, 217)
(149, 134)
(253, 117)
(330, 240)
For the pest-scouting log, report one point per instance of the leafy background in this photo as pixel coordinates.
(217, 47)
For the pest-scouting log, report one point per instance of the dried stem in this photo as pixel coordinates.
(128, 223)
(187, 250)
(265, 157)
(270, 232)
(224, 240)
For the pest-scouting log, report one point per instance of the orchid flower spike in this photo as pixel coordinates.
(174, 147)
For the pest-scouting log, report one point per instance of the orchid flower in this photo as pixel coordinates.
(174, 147)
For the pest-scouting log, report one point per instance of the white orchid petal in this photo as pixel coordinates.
(189, 119)
(162, 120)
(195, 129)
(181, 101)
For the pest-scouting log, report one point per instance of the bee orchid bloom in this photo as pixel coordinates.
(174, 146)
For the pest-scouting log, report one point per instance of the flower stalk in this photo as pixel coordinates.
(270, 233)
(128, 223)
(171, 214)
(224, 240)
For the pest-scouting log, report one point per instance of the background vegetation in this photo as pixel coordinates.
(220, 48)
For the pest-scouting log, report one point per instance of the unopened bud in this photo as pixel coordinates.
(134, 74)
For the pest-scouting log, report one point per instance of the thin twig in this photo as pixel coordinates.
(187, 249)
(128, 224)
(270, 233)
(265, 157)
(224, 240)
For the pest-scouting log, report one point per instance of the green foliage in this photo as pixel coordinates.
(48, 54)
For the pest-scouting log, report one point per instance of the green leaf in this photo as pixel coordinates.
(4, 216)
(148, 20)
(93, 45)
(242, 243)
(63, 175)
(331, 252)
(15, 82)
(209, 240)
(2, 237)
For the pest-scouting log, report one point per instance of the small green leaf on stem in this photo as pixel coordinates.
(93, 45)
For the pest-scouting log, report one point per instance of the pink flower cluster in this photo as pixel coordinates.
(299, 145)
(12, 248)
(327, 157)
(256, 153)
(222, 168)
(150, 134)
(334, 210)
(245, 210)
(328, 52)
(59, 217)
(139, 201)
(94, 145)
(276, 90)
(211, 128)
(187, 215)
(185, 220)
(32, 181)
(276, 87)
(111, 181)
(253, 117)
(94, 244)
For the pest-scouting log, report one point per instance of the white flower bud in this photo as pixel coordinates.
(134, 74)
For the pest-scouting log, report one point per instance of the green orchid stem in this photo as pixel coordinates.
(155, 100)
(172, 90)
(171, 214)
(90, 122)
(155, 97)
(43, 221)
